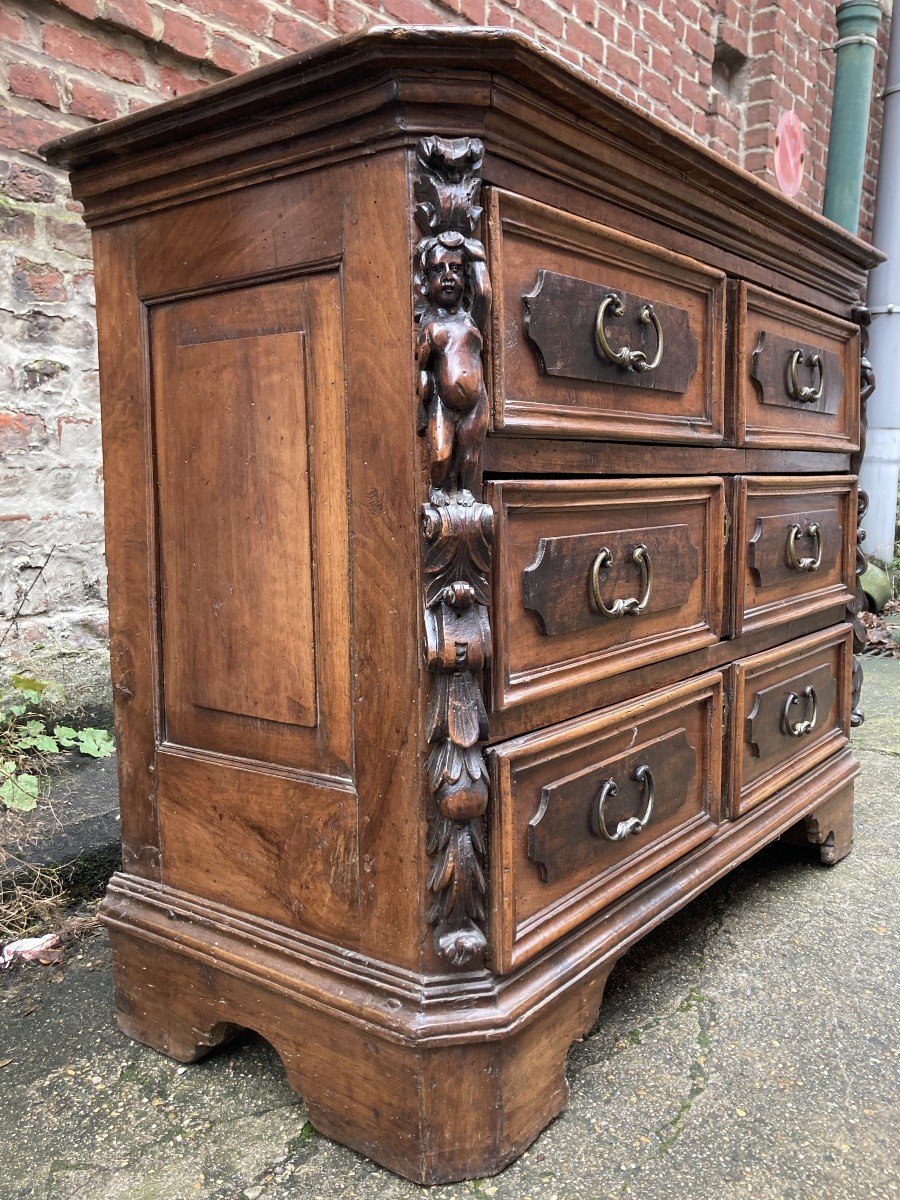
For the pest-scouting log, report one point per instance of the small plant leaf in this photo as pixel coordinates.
(42, 741)
(33, 727)
(20, 792)
(26, 684)
(65, 735)
(95, 742)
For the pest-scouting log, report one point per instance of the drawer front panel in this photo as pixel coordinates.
(586, 810)
(593, 577)
(597, 334)
(795, 547)
(791, 710)
(795, 374)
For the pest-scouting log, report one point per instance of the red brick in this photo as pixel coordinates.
(569, 55)
(497, 15)
(317, 10)
(680, 111)
(701, 43)
(21, 132)
(768, 42)
(87, 101)
(473, 10)
(543, 15)
(657, 30)
(760, 89)
(294, 34)
(587, 41)
(16, 226)
(92, 54)
(763, 135)
(72, 236)
(642, 48)
(34, 83)
(692, 91)
(662, 62)
(38, 282)
(186, 36)
(249, 15)
(30, 183)
(11, 28)
(756, 161)
(229, 54)
(622, 65)
(17, 430)
(174, 83)
(656, 86)
(84, 8)
(348, 18)
(410, 12)
(133, 16)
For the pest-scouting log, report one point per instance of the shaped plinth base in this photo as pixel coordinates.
(453, 1104)
(438, 1077)
(829, 826)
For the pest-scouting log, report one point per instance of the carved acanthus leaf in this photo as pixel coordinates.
(452, 298)
(857, 605)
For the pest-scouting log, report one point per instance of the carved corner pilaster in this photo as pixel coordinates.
(452, 305)
(857, 605)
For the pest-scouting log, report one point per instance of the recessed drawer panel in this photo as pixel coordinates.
(598, 334)
(791, 710)
(596, 577)
(586, 810)
(795, 374)
(795, 547)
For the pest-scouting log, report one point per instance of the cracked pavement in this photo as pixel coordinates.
(747, 1048)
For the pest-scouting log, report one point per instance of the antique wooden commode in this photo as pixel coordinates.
(480, 464)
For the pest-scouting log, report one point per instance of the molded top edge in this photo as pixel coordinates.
(502, 53)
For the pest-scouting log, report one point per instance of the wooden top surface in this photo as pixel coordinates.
(479, 62)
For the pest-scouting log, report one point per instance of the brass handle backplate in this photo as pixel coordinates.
(629, 360)
(631, 825)
(800, 728)
(640, 556)
(812, 393)
(794, 560)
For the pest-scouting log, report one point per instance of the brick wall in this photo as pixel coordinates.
(721, 69)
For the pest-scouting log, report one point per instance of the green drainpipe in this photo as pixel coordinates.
(857, 26)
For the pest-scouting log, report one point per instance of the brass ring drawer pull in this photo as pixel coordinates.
(640, 556)
(800, 728)
(632, 825)
(804, 564)
(630, 360)
(805, 395)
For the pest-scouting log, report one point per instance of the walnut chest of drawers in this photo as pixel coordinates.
(480, 463)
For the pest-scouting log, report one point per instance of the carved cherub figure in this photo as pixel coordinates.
(456, 286)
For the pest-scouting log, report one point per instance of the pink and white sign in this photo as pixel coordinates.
(790, 153)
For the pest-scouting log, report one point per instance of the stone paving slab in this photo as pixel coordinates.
(746, 1049)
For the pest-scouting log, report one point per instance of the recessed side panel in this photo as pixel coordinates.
(272, 844)
(234, 491)
(247, 386)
